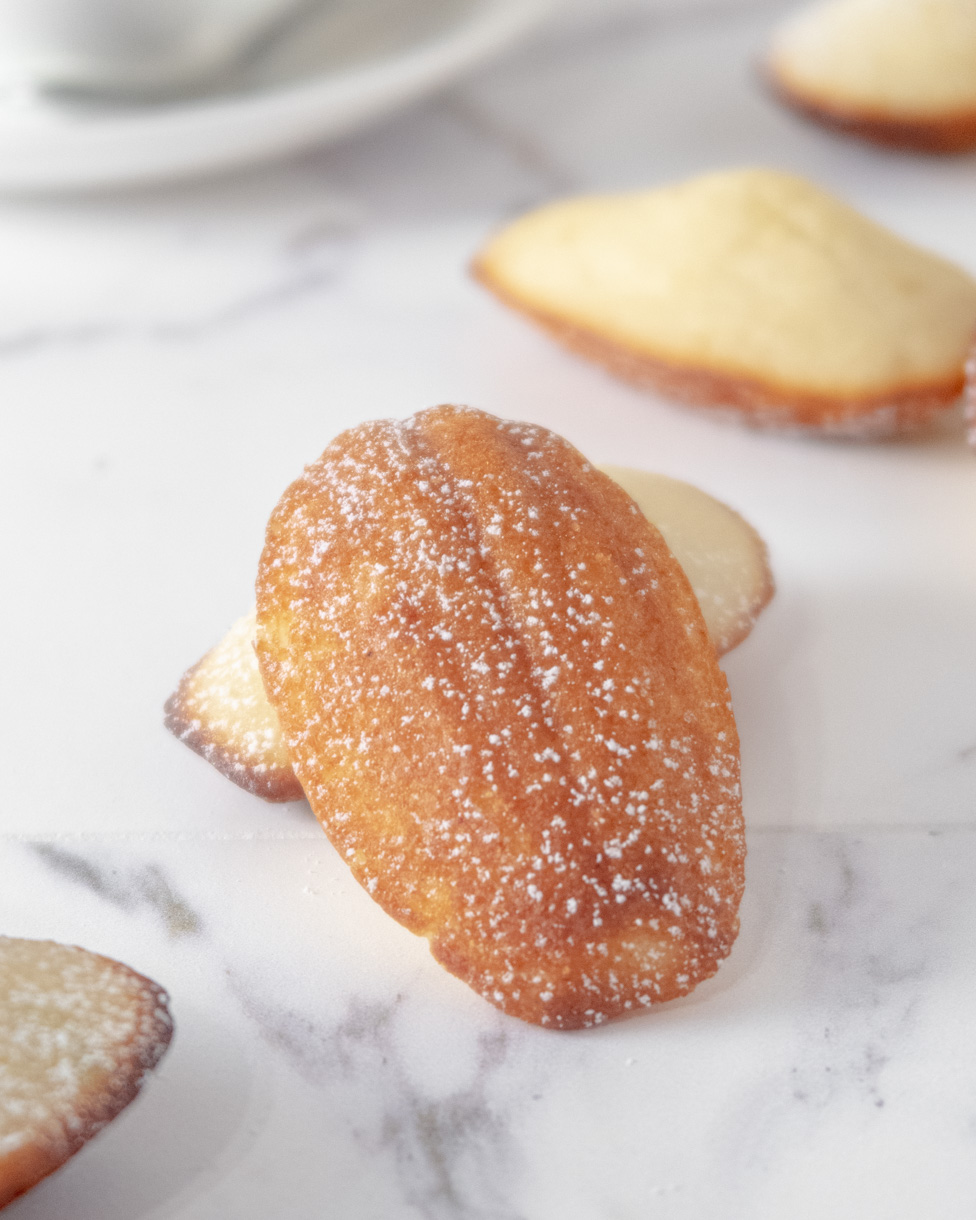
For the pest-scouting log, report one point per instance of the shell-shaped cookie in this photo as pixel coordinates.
(221, 711)
(897, 72)
(750, 291)
(498, 693)
(78, 1034)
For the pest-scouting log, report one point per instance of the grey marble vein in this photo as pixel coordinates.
(872, 944)
(525, 152)
(182, 260)
(293, 286)
(453, 1154)
(144, 885)
(38, 339)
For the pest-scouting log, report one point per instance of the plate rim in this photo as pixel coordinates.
(49, 149)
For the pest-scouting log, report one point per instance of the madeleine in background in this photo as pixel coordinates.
(899, 72)
(750, 291)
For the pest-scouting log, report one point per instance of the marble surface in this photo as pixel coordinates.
(170, 359)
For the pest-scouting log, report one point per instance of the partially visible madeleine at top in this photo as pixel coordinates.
(899, 72)
(221, 711)
(78, 1034)
(750, 290)
(498, 692)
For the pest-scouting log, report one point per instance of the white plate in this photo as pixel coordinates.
(357, 60)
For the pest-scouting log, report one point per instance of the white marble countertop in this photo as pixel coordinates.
(170, 358)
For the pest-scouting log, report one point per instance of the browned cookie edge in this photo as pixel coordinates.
(761, 404)
(275, 785)
(49, 1150)
(948, 134)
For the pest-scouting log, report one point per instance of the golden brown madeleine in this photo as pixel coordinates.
(971, 396)
(78, 1034)
(897, 72)
(751, 291)
(498, 693)
(220, 711)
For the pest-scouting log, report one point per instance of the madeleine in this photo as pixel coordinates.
(497, 690)
(749, 291)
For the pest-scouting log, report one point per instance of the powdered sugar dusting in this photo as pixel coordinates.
(497, 690)
(77, 1035)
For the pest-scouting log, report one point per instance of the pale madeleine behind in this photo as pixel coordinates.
(751, 289)
(725, 560)
(220, 710)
